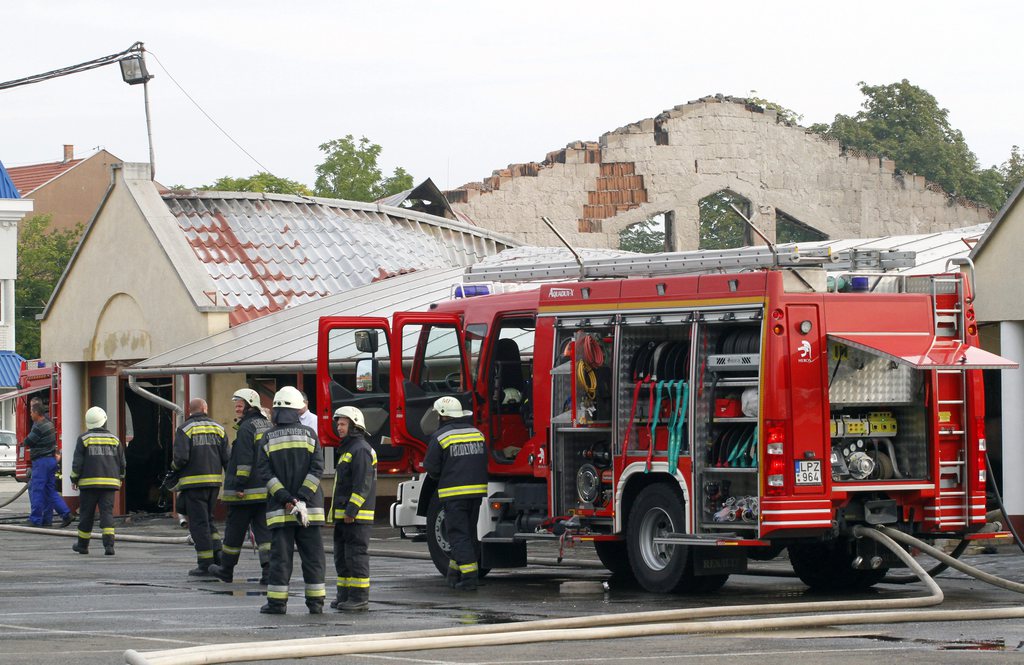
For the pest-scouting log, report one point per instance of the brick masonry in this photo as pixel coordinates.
(593, 190)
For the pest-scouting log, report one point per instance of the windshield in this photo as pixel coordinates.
(7, 439)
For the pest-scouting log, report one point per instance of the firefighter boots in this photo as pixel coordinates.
(274, 608)
(468, 582)
(453, 576)
(222, 573)
(342, 597)
(82, 546)
(315, 606)
(358, 601)
(108, 544)
(202, 570)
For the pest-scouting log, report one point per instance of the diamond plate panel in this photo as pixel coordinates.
(864, 378)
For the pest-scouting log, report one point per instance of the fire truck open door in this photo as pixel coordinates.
(430, 362)
(353, 366)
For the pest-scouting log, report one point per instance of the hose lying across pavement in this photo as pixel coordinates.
(11, 500)
(663, 622)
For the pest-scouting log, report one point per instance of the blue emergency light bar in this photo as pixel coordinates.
(470, 290)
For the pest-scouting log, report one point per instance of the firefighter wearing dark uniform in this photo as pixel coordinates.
(355, 494)
(245, 492)
(457, 460)
(200, 453)
(291, 461)
(97, 471)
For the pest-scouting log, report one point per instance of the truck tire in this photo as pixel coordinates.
(657, 568)
(437, 542)
(826, 567)
(614, 554)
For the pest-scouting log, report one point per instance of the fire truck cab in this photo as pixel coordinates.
(685, 422)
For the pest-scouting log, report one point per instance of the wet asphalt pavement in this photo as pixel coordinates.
(60, 607)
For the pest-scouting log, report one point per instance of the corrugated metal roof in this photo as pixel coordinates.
(288, 339)
(30, 178)
(266, 252)
(7, 188)
(10, 369)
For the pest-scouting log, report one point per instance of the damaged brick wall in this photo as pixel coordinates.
(594, 190)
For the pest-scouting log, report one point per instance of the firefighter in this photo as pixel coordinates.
(245, 492)
(97, 471)
(457, 460)
(41, 443)
(355, 494)
(291, 461)
(200, 453)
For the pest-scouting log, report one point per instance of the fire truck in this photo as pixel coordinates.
(41, 380)
(686, 414)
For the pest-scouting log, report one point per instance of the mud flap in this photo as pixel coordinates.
(718, 560)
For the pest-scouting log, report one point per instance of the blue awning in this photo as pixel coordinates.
(10, 369)
(7, 188)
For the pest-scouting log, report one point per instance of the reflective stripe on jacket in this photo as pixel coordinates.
(200, 452)
(99, 461)
(457, 458)
(355, 480)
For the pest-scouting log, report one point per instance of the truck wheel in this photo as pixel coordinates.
(658, 568)
(826, 567)
(437, 542)
(614, 554)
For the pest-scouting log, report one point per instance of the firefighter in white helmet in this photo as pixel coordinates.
(245, 492)
(355, 493)
(291, 461)
(456, 458)
(97, 472)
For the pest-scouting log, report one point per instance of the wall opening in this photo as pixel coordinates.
(646, 237)
(720, 226)
(791, 229)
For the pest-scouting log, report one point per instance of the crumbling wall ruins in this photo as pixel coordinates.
(594, 190)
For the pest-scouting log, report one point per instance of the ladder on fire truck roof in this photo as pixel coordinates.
(680, 263)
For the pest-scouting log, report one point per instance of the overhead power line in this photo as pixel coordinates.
(73, 69)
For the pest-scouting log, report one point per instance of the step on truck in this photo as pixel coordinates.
(686, 415)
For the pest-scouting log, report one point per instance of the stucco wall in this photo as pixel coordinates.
(73, 197)
(121, 299)
(999, 269)
(593, 190)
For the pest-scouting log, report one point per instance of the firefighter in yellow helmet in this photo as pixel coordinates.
(291, 461)
(355, 493)
(457, 459)
(97, 471)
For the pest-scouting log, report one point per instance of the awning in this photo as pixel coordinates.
(923, 351)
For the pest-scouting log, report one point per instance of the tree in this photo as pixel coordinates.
(350, 172)
(789, 116)
(646, 237)
(260, 182)
(906, 124)
(42, 257)
(1012, 171)
(720, 226)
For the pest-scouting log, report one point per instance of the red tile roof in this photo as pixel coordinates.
(29, 178)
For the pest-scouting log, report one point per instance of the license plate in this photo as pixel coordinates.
(808, 472)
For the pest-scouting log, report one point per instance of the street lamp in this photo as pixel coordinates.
(133, 71)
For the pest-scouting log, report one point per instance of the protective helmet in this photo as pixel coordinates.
(353, 414)
(288, 397)
(247, 395)
(95, 417)
(450, 407)
(512, 396)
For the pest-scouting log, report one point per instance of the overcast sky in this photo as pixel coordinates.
(454, 90)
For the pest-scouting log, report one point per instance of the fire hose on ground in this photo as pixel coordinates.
(11, 500)
(663, 622)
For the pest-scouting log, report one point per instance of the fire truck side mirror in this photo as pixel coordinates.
(366, 341)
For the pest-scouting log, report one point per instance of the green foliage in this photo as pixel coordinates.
(644, 237)
(349, 171)
(788, 229)
(786, 115)
(260, 182)
(720, 226)
(1012, 171)
(42, 257)
(906, 124)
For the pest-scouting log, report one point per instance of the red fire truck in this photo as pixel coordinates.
(685, 414)
(40, 380)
